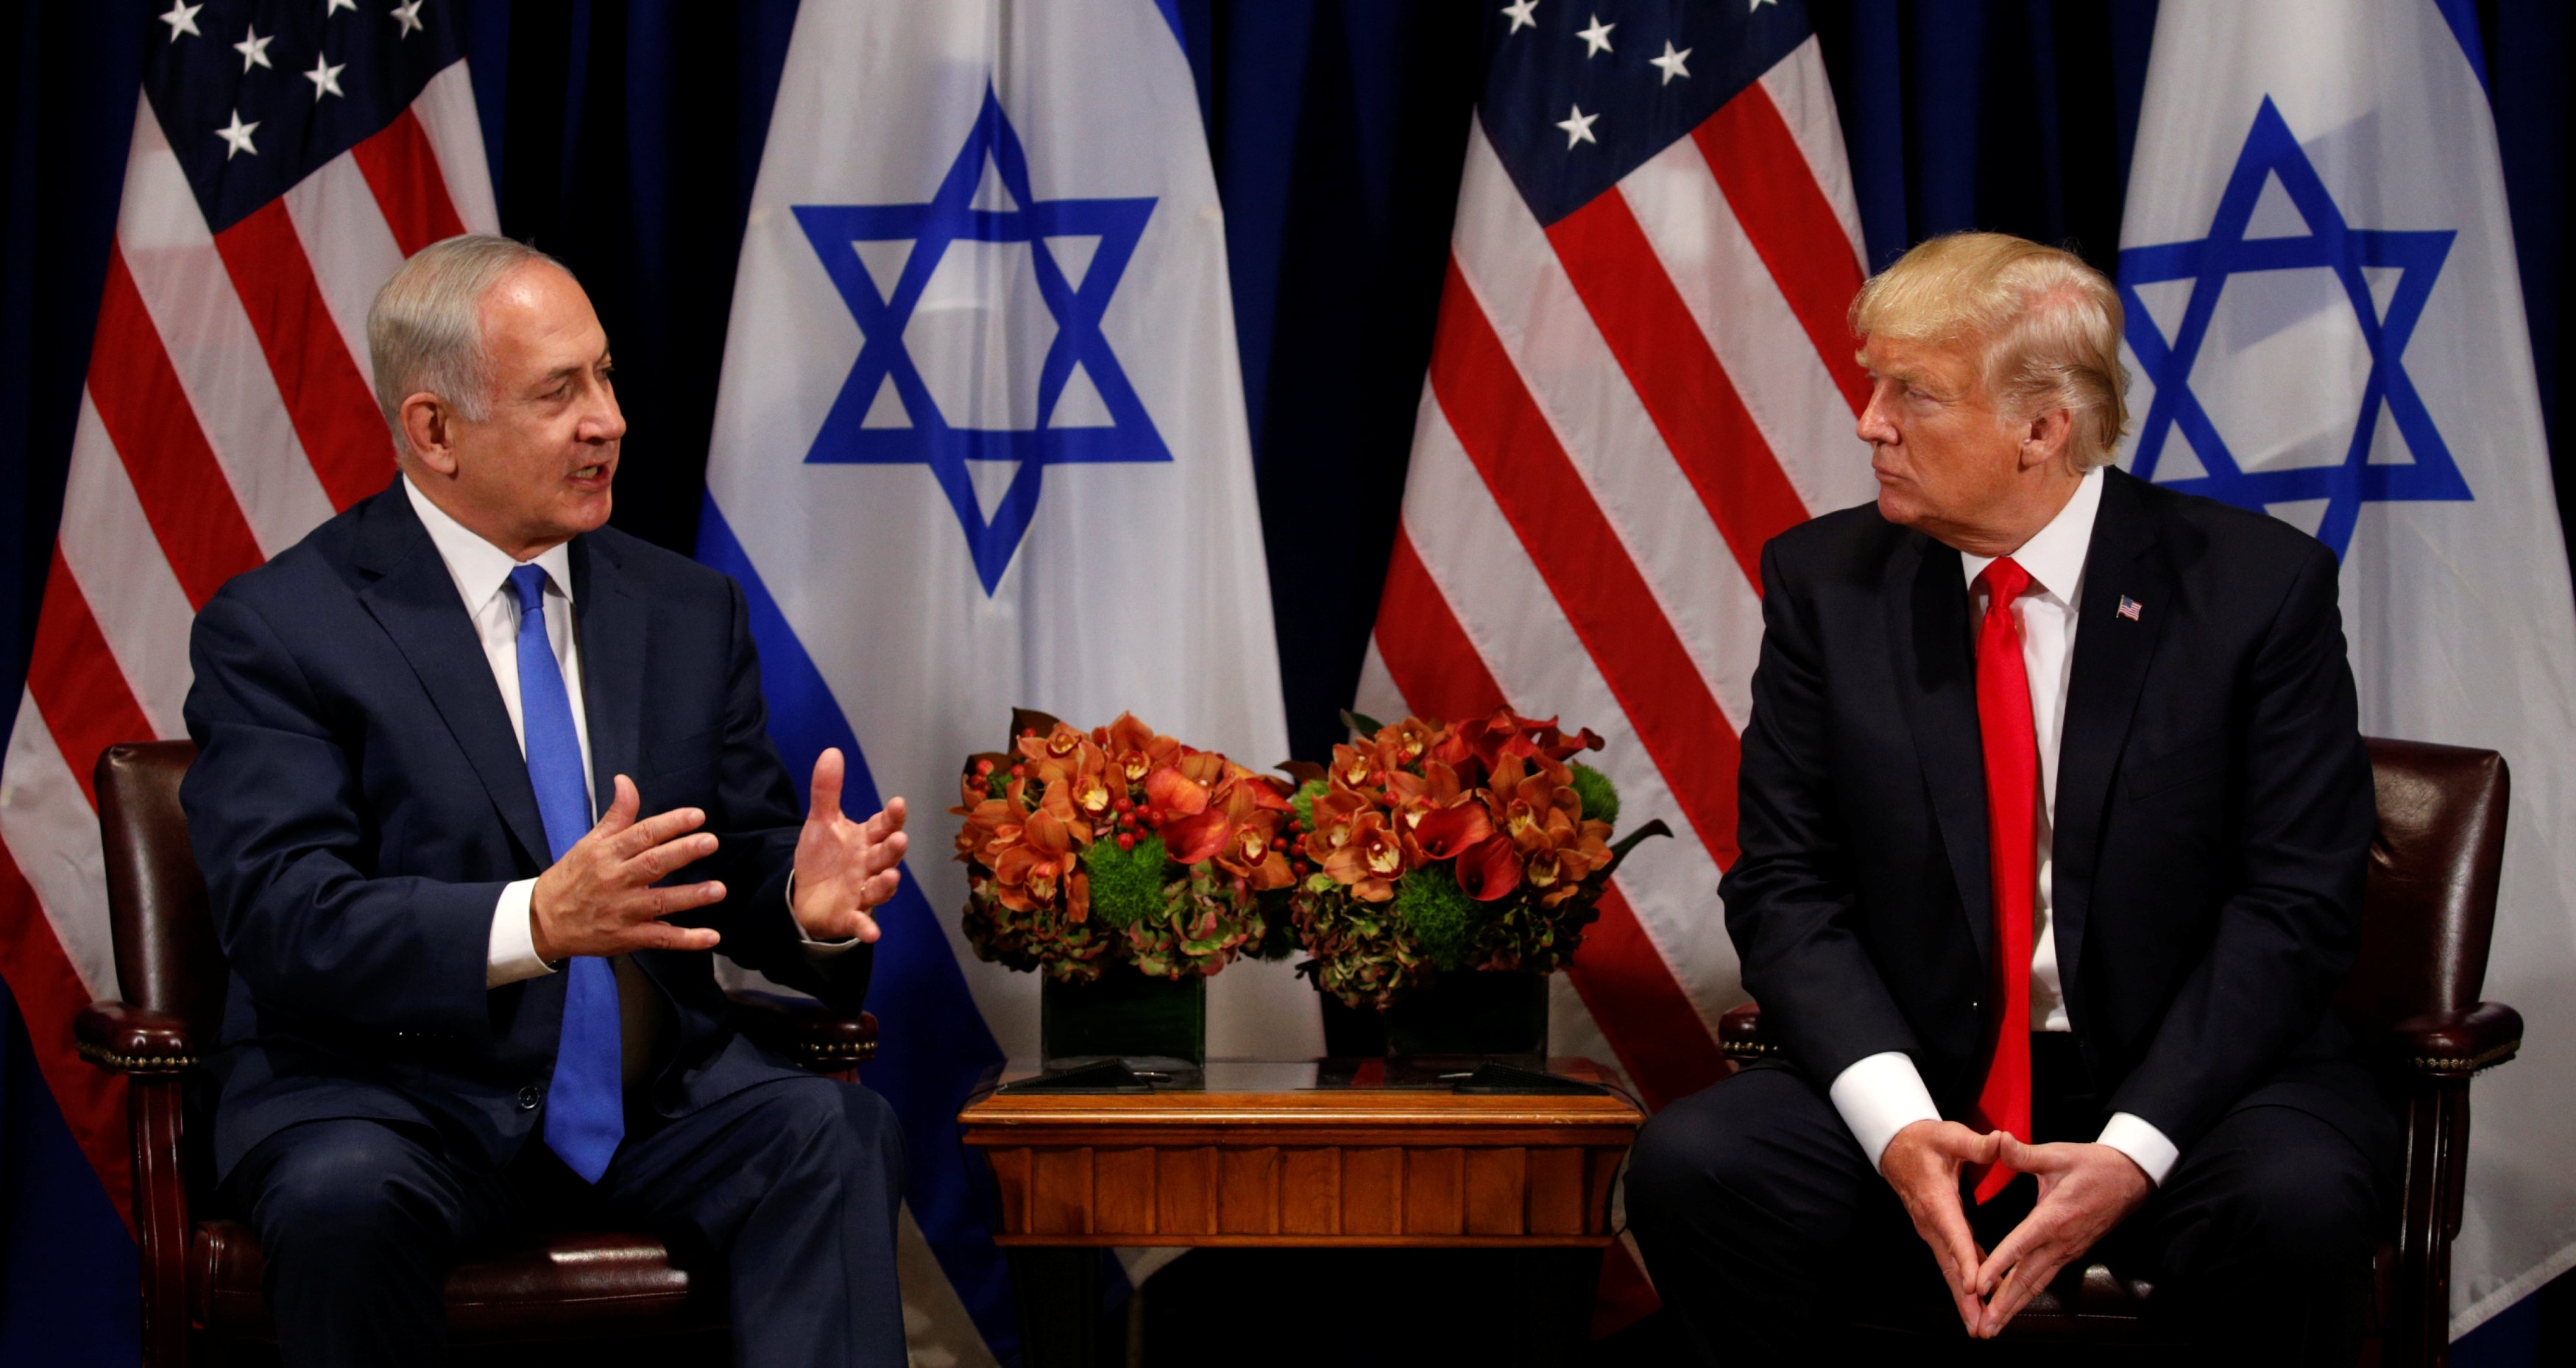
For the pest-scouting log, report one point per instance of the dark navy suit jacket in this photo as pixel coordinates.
(360, 800)
(2214, 810)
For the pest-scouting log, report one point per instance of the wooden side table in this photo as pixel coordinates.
(1298, 1153)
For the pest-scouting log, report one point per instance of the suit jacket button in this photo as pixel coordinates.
(528, 1098)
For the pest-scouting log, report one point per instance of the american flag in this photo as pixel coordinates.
(287, 156)
(1641, 373)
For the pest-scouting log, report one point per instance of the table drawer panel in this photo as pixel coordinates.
(1185, 1200)
(1060, 1192)
(1011, 1168)
(1373, 1191)
(1310, 1191)
(1247, 1191)
(1556, 1190)
(1122, 1183)
(1435, 1191)
(1497, 1191)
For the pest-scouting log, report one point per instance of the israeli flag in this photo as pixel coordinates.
(980, 443)
(2324, 321)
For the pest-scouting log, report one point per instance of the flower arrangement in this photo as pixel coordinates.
(1445, 847)
(1121, 845)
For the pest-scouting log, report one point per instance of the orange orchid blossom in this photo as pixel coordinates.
(1136, 749)
(1509, 733)
(1355, 767)
(1369, 860)
(1068, 756)
(1026, 873)
(1255, 811)
(1335, 810)
(1528, 796)
(1249, 853)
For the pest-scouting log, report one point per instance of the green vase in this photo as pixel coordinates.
(1125, 1014)
(1482, 1013)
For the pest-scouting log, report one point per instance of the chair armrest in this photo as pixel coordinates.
(806, 1031)
(2456, 1044)
(131, 1040)
(1740, 1036)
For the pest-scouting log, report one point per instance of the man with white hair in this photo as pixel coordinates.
(482, 782)
(2053, 816)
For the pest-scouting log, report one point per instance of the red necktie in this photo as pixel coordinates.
(2012, 854)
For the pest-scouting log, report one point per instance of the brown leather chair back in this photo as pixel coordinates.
(2429, 910)
(167, 958)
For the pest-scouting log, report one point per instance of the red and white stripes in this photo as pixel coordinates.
(227, 412)
(1622, 407)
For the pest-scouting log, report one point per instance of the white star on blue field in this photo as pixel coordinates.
(930, 438)
(2272, 150)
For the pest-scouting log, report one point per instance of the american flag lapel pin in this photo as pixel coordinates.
(2129, 608)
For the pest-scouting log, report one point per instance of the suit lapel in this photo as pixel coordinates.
(414, 599)
(611, 622)
(1927, 602)
(2112, 654)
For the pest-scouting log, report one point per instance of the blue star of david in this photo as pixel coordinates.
(2271, 150)
(931, 439)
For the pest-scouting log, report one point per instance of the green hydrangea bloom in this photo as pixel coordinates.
(1125, 884)
(1600, 796)
(1443, 920)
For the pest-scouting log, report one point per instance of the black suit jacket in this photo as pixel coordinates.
(2213, 816)
(360, 800)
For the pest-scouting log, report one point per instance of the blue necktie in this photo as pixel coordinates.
(585, 1116)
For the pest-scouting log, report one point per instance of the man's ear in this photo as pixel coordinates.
(2048, 437)
(429, 429)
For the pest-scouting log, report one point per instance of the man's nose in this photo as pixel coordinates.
(606, 423)
(1873, 427)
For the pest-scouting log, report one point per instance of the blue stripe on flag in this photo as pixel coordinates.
(935, 1043)
(2462, 16)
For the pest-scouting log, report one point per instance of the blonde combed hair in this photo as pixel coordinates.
(425, 329)
(2047, 324)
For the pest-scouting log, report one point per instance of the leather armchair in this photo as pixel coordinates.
(2427, 916)
(202, 1279)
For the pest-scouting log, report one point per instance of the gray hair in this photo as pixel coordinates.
(425, 330)
(2045, 324)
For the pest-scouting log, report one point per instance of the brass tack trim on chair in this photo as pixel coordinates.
(125, 1063)
(858, 1054)
(1747, 1049)
(2472, 1064)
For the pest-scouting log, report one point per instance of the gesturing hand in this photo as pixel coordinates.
(2084, 1190)
(1922, 1163)
(598, 899)
(843, 868)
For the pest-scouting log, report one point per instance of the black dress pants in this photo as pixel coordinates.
(788, 1187)
(1765, 1228)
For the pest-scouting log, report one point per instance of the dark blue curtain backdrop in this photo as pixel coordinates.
(1337, 129)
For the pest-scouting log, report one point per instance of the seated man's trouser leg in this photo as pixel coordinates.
(791, 1185)
(1762, 1223)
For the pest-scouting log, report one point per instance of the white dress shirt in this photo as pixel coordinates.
(482, 575)
(1883, 1094)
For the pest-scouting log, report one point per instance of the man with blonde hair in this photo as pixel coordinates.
(2053, 816)
(482, 782)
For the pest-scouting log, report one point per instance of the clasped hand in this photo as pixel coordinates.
(2084, 1191)
(599, 899)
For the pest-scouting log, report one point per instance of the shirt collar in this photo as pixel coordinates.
(2054, 556)
(479, 568)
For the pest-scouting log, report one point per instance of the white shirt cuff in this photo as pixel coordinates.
(1879, 1096)
(2146, 1146)
(513, 952)
(814, 949)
